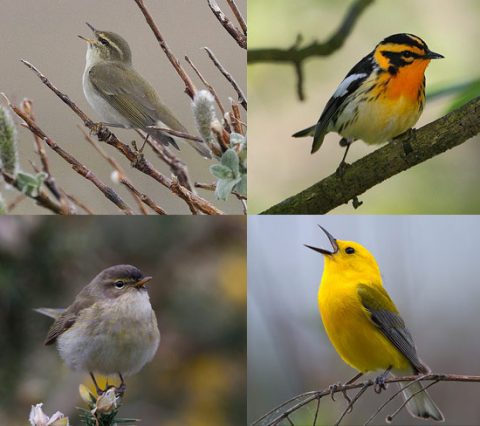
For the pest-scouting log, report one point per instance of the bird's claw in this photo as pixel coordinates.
(379, 384)
(340, 172)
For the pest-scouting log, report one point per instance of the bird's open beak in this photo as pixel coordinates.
(142, 282)
(433, 55)
(88, 40)
(90, 26)
(333, 242)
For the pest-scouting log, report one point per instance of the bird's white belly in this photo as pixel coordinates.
(102, 108)
(107, 346)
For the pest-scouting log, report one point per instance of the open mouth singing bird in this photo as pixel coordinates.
(121, 97)
(380, 98)
(110, 328)
(365, 326)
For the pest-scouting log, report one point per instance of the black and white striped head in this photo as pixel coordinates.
(107, 46)
(402, 50)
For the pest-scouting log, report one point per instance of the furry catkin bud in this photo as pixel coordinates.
(8, 145)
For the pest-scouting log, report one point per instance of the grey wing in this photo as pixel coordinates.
(132, 97)
(63, 323)
(385, 316)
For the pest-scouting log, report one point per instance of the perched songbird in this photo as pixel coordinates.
(121, 96)
(363, 323)
(110, 328)
(380, 98)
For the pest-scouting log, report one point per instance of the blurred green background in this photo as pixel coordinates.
(429, 266)
(198, 293)
(281, 166)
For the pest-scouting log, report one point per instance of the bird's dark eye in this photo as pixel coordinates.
(103, 41)
(349, 250)
(407, 54)
(119, 284)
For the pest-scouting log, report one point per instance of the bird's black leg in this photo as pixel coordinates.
(380, 381)
(123, 386)
(343, 164)
(97, 388)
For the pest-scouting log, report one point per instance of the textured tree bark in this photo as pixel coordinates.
(408, 150)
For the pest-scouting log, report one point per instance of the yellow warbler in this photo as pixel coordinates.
(363, 323)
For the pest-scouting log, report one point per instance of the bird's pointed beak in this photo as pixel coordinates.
(88, 40)
(433, 55)
(332, 240)
(142, 282)
(90, 26)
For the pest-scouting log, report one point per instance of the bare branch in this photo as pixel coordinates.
(190, 89)
(238, 36)
(241, 97)
(82, 170)
(404, 152)
(284, 410)
(297, 55)
(238, 15)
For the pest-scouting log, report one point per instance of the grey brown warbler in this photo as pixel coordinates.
(110, 328)
(120, 96)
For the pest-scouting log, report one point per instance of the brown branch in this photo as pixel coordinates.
(122, 176)
(238, 15)
(404, 152)
(238, 36)
(241, 97)
(190, 89)
(82, 170)
(39, 144)
(281, 412)
(42, 198)
(138, 161)
(296, 55)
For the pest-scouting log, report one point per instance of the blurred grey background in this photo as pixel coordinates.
(44, 32)
(198, 292)
(429, 267)
(281, 166)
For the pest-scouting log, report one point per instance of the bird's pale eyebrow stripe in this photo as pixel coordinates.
(342, 89)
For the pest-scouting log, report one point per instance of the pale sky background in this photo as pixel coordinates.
(429, 267)
(281, 166)
(44, 32)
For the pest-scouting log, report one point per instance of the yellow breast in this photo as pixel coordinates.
(356, 339)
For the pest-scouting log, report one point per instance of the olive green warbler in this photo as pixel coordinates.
(121, 96)
(110, 328)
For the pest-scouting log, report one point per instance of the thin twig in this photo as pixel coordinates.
(15, 202)
(190, 89)
(136, 194)
(39, 144)
(352, 401)
(238, 15)
(398, 392)
(241, 97)
(392, 416)
(285, 409)
(237, 35)
(82, 170)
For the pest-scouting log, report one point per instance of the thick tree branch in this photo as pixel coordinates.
(296, 55)
(284, 410)
(404, 152)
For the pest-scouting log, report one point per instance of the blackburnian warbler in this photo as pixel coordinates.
(380, 98)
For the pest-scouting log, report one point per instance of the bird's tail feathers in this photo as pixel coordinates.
(50, 312)
(420, 404)
(166, 140)
(309, 131)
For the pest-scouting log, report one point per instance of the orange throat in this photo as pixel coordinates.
(408, 82)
